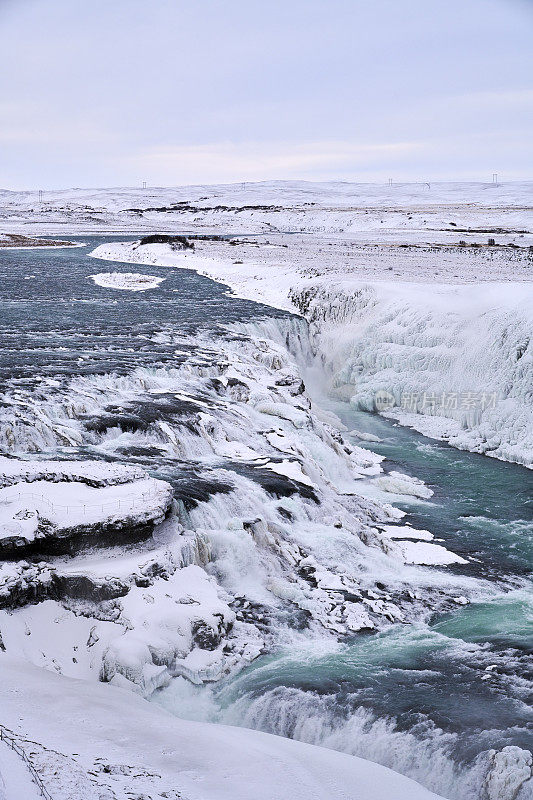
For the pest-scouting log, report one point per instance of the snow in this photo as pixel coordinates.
(16, 782)
(132, 281)
(406, 532)
(511, 767)
(175, 603)
(417, 546)
(91, 473)
(395, 302)
(398, 483)
(335, 208)
(291, 469)
(124, 744)
(424, 553)
(158, 642)
(75, 504)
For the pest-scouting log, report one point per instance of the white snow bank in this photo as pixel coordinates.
(252, 281)
(417, 546)
(120, 741)
(159, 641)
(426, 553)
(511, 767)
(44, 510)
(92, 473)
(398, 483)
(133, 281)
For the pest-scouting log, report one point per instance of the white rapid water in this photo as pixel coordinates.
(423, 753)
(350, 698)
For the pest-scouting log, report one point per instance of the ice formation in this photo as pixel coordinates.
(133, 281)
(268, 537)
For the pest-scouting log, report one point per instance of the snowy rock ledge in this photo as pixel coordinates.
(134, 617)
(60, 507)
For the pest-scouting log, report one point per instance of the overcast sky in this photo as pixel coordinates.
(115, 92)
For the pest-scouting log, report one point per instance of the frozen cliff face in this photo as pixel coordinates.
(509, 774)
(454, 362)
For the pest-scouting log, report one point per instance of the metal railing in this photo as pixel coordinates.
(127, 502)
(7, 736)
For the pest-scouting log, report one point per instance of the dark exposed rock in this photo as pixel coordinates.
(191, 489)
(285, 513)
(186, 207)
(176, 242)
(69, 541)
(82, 587)
(36, 584)
(236, 389)
(206, 637)
(274, 484)
(138, 416)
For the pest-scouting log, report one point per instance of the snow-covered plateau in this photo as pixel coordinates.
(171, 523)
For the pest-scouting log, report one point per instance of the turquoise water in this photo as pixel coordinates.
(481, 507)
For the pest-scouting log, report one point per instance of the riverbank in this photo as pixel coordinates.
(11, 241)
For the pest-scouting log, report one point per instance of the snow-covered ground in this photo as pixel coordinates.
(378, 270)
(403, 212)
(15, 779)
(45, 513)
